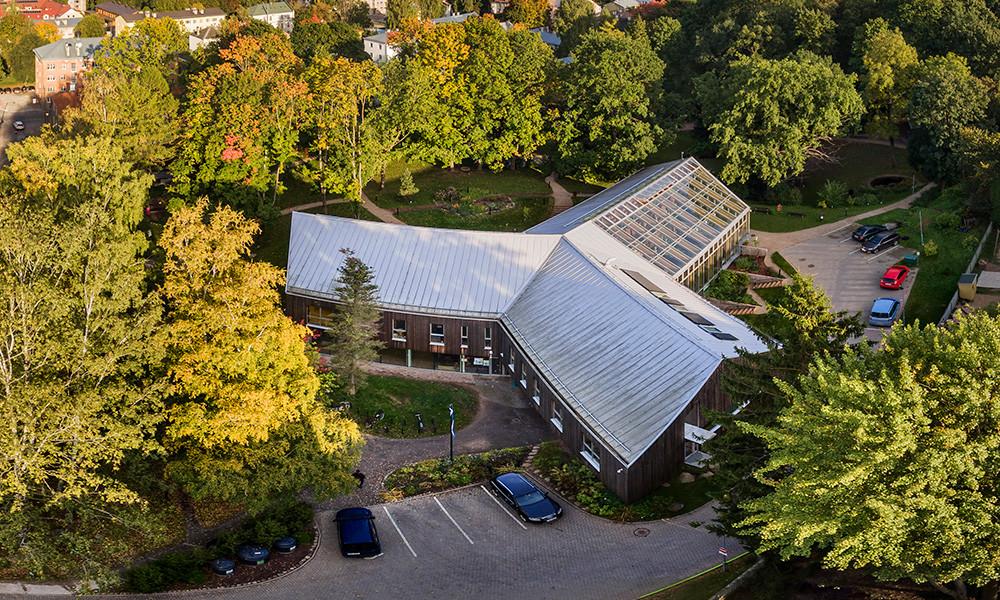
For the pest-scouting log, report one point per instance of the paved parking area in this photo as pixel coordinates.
(19, 107)
(464, 544)
(847, 275)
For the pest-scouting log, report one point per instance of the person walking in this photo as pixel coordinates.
(357, 474)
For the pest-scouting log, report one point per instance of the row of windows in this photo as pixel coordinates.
(437, 334)
(52, 66)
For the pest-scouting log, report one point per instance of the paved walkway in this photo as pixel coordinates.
(317, 204)
(561, 198)
(383, 215)
(776, 242)
(504, 420)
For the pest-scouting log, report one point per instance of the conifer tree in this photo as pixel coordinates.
(355, 329)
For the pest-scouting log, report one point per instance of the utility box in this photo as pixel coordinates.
(967, 286)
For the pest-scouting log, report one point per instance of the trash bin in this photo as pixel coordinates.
(910, 260)
(967, 286)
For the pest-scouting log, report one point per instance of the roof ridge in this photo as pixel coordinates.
(511, 234)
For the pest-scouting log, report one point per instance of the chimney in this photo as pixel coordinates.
(78, 46)
(68, 46)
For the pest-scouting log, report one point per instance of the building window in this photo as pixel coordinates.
(72, 67)
(536, 394)
(590, 452)
(511, 365)
(398, 330)
(465, 336)
(524, 376)
(437, 334)
(319, 317)
(488, 338)
(556, 419)
(51, 66)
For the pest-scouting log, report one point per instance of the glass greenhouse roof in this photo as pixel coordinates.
(675, 217)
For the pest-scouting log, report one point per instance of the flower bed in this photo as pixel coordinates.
(438, 474)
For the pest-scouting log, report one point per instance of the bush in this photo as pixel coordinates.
(406, 185)
(832, 194)
(866, 199)
(438, 475)
(947, 220)
(185, 567)
(448, 195)
(731, 286)
(930, 248)
(784, 193)
(746, 263)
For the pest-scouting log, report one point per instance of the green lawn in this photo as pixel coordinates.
(575, 186)
(475, 183)
(577, 482)
(272, 243)
(526, 212)
(794, 218)
(938, 275)
(400, 399)
(707, 584)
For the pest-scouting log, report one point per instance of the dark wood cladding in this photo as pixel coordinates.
(660, 463)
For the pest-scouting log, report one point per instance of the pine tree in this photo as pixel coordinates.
(406, 185)
(355, 329)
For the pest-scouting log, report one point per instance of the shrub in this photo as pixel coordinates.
(438, 474)
(969, 241)
(784, 193)
(866, 199)
(406, 185)
(832, 194)
(187, 566)
(448, 195)
(930, 248)
(947, 221)
(731, 286)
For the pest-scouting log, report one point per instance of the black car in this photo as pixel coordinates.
(531, 503)
(863, 233)
(358, 536)
(880, 241)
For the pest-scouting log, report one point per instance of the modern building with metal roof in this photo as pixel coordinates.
(591, 313)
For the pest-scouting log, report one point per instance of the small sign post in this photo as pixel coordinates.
(724, 552)
(451, 438)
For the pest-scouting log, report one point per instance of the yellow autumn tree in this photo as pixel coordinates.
(243, 420)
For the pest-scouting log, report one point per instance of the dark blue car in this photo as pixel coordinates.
(358, 536)
(531, 503)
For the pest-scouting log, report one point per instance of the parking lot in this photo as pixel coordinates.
(847, 275)
(464, 544)
(19, 107)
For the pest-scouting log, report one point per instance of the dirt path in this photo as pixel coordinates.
(776, 242)
(561, 198)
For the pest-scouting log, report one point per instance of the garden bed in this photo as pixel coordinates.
(578, 483)
(438, 474)
(399, 400)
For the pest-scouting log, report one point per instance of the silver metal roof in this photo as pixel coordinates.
(443, 271)
(627, 362)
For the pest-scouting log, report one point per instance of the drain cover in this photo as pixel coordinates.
(641, 532)
(811, 266)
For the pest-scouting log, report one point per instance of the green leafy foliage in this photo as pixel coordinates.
(833, 194)
(439, 474)
(864, 468)
(91, 25)
(731, 286)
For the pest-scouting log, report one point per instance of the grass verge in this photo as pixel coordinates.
(794, 218)
(526, 213)
(705, 584)
(938, 274)
(438, 474)
(400, 400)
(783, 264)
(577, 482)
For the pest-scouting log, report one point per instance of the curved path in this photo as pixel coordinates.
(561, 198)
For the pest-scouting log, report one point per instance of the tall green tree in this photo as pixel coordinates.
(571, 20)
(155, 43)
(133, 108)
(399, 11)
(242, 118)
(78, 386)
(356, 324)
(609, 123)
(769, 116)
(946, 97)
(885, 460)
(531, 13)
(243, 420)
(336, 38)
(91, 25)
(800, 327)
(888, 65)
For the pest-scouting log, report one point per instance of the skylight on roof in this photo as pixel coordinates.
(695, 318)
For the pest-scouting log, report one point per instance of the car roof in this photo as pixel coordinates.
(896, 269)
(517, 484)
(882, 235)
(884, 304)
(353, 514)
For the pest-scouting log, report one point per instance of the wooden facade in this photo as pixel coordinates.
(660, 463)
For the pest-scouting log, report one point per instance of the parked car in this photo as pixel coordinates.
(531, 503)
(358, 536)
(894, 277)
(880, 241)
(861, 234)
(19, 125)
(884, 313)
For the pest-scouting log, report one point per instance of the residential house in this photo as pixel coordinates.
(58, 65)
(47, 10)
(594, 314)
(122, 18)
(202, 38)
(620, 8)
(67, 26)
(276, 14)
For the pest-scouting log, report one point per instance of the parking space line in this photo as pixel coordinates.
(504, 508)
(452, 519)
(399, 531)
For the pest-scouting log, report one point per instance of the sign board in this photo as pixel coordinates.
(481, 362)
(723, 551)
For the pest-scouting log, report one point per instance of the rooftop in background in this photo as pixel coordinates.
(43, 10)
(69, 48)
(269, 8)
(459, 18)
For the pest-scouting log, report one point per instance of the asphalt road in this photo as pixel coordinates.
(848, 276)
(465, 544)
(18, 107)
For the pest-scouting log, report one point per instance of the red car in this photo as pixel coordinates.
(894, 277)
